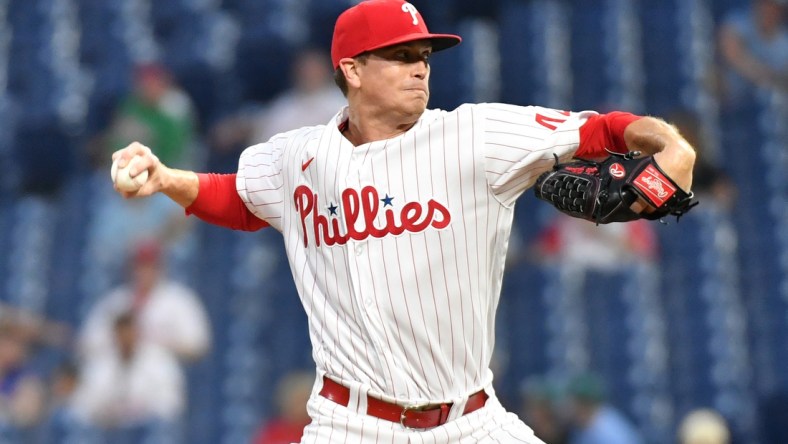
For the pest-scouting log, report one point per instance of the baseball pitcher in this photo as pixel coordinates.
(396, 220)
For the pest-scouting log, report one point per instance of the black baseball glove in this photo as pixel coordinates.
(603, 192)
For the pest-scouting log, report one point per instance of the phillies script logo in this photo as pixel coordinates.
(364, 206)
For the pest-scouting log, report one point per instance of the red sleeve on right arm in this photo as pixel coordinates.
(605, 131)
(218, 203)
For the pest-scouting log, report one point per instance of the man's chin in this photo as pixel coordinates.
(419, 106)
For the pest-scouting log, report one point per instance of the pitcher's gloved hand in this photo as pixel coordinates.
(605, 192)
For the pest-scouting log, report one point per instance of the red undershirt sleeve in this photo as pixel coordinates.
(604, 131)
(218, 203)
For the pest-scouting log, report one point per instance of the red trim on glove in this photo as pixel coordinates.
(604, 131)
(218, 203)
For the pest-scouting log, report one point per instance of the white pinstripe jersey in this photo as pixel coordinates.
(397, 246)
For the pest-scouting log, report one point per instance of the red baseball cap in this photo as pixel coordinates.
(375, 24)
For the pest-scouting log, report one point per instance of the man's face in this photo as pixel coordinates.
(151, 87)
(145, 275)
(396, 78)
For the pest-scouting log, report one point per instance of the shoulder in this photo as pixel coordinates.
(282, 140)
(464, 108)
(464, 111)
(497, 114)
(298, 133)
(115, 301)
(175, 292)
(498, 110)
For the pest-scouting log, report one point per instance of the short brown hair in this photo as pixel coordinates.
(339, 76)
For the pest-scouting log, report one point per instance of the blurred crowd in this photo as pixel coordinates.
(123, 368)
(576, 410)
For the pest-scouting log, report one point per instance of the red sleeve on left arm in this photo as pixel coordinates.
(604, 131)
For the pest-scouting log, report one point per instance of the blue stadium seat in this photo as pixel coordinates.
(590, 61)
(660, 56)
(518, 71)
(521, 329)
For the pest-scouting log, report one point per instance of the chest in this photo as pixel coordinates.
(408, 184)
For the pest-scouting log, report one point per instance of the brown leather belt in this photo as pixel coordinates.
(419, 416)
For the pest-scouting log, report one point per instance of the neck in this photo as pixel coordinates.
(364, 127)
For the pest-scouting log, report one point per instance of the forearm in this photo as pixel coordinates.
(211, 197)
(180, 186)
(671, 151)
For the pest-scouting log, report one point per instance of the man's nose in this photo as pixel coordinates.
(420, 69)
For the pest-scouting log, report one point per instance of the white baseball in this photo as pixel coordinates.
(122, 178)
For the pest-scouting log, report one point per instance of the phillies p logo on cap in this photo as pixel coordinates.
(375, 24)
(407, 7)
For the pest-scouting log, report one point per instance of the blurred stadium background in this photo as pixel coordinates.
(706, 326)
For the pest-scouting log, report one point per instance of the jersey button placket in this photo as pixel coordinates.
(354, 249)
(357, 255)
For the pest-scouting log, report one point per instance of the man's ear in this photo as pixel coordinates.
(349, 67)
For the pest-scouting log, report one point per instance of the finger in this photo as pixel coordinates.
(131, 150)
(122, 193)
(146, 162)
(641, 206)
(130, 195)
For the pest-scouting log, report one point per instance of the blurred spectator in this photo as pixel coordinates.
(134, 383)
(703, 426)
(312, 100)
(63, 383)
(582, 244)
(292, 394)
(709, 182)
(541, 411)
(21, 390)
(34, 329)
(594, 420)
(754, 46)
(157, 113)
(169, 314)
(119, 224)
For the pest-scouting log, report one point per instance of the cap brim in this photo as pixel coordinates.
(439, 41)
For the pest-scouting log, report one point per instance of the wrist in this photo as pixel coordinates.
(179, 185)
(677, 162)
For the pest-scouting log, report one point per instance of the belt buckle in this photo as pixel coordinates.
(413, 407)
